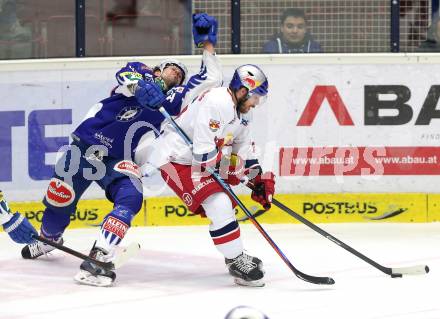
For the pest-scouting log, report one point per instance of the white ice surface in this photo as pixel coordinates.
(179, 274)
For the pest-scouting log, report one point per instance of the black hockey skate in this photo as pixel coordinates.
(93, 275)
(37, 249)
(254, 259)
(246, 270)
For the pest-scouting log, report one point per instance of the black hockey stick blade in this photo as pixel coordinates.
(314, 279)
(255, 215)
(393, 272)
(119, 260)
(309, 278)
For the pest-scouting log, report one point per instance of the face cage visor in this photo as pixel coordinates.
(182, 72)
(256, 98)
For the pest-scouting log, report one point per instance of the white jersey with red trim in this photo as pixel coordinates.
(209, 120)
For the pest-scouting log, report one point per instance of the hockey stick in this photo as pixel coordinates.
(255, 214)
(393, 272)
(227, 188)
(120, 259)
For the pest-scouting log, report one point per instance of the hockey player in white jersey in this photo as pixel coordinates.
(216, 121)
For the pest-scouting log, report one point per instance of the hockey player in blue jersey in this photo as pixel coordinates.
(102, 151)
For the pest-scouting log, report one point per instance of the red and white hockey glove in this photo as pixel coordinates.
(263, 188)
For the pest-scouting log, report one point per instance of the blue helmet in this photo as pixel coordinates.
(251, 77)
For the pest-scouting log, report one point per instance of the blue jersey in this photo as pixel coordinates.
(119, 122)
(117, 119)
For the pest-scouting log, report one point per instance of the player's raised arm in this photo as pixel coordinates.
(205, 31)
(210, 73)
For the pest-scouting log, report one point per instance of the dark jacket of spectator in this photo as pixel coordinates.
(432, 42)
(277, 45)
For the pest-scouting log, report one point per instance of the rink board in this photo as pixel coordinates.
(89, 213)
(331, 127)
(318, 208)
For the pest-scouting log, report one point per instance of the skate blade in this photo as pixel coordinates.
(85, 278)
(254, 283)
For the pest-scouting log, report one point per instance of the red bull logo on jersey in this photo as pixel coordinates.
(214, 125)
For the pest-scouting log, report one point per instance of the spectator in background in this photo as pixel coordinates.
(123, 9)
(432, 42)
(156, 70)
(293, 36)
(15, 39)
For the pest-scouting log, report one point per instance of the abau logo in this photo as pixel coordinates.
(377, 99)
(129, 113)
